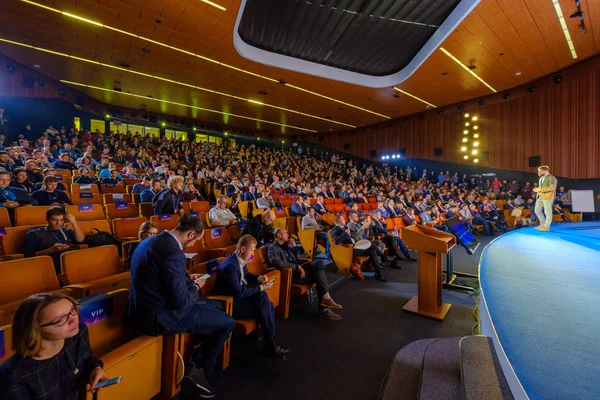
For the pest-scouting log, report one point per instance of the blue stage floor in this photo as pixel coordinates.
(542, 290)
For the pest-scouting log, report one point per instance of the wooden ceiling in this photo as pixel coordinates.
(500, 37)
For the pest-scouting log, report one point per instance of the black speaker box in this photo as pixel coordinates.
(535, 161)
(438, 151)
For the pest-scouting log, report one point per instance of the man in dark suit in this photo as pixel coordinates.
(139, 163)
(169, 201)
(341, 235)
(233, 188)
(249, 292)
(260, 228)
(163, 299)
(284, 254)
(50, 196)
(250, 195)
(298, 207)
(319, 206)
(11, 197)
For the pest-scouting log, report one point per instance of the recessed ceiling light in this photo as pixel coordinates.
(518, 74)
(444, 73)
(158, 21)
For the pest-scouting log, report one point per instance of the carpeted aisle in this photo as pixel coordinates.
(542, 292)
(347, 359)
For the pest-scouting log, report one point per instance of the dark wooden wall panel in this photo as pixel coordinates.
(559, 122)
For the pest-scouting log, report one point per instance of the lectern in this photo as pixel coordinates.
(431, 244)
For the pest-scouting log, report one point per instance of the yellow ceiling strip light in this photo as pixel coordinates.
(414, 97)
(456, 60)
(170, 81)
(201, 57)
(185, 105)
(565, 29)
(214, 5)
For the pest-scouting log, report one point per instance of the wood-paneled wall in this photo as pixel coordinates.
(558, 122)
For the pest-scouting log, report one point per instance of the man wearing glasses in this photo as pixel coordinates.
(163, 299)
(260, 227)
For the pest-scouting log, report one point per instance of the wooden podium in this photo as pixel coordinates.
(431, 244)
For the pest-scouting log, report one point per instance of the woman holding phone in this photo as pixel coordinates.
(53, 358)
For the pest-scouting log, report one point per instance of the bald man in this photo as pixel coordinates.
(260, 227)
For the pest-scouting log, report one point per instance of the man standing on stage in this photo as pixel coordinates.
(546, 191)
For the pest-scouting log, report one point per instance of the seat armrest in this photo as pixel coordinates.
(226, 303)
(79, 290)
(10, 257)
(78, 246)
(128, 349)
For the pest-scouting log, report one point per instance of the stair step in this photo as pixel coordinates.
(335, 280)
(481, 374)
(440, 377)
(405, 372)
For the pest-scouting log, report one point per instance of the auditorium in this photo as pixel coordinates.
(299, 199)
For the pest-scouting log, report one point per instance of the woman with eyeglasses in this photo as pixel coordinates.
(147, 229)
(53, 358)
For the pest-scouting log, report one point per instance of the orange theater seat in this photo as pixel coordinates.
(87, 226)
(108, 188)
(123, 353)
(127, 228)
(219, 238)
(12, 243)
(76, 188)
(279, 212)
(121, 210)
(111, 198)
(4, 217)
(20, 279)
(165, 222)
(85, 198)
(83, 212)
(30, 215)
(200, 206)
(145, 209)
(93, 270)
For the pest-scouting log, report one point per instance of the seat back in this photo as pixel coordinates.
(4, 217)
(22, 278)
(145, 209)
(86, 198)
(111, 198)
(165, 222)
(30, 215)
(110, 188)
(279, 212)
(201, 268)
(87, 212)
(80, 266)
(217, 238)
(121, 210)
(87, 226)
(104, 314)
(200, 206)
(126, 228)
(243, 208)
(135, 198)
(76, 188)
(12, 243)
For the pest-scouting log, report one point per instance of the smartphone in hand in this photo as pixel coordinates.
(108, 382)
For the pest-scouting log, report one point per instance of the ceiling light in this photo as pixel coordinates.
(464, 148)
(474, 152)
(172, 81)
(225, 133)
(188, 106)
(414, 97)
(467, 124)
(257, 138)
(256, 102)
(164, 124)
(475, 127)
(467, 115)
(397, 155)
(393, 156)
(475, 144)
(466, 157)
(283, 142)
(456, 60)
(383, 157)
(476, 136)
(518, 74)
(210, 3)
(465, 140)
(564, 27)
(466, 132)
(107, 116)
(474, 118)
(200, 56)
(476, 160)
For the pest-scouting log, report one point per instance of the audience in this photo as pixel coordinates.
(169, 201)
(260, 228)
(220, 215)
(48, 195)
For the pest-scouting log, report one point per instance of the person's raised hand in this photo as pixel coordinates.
(96, 377)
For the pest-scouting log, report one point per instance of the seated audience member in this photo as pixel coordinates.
(390, 207)
(220, 215)
(148, 195)
(53, 239)
(53, 358)
(106, 172)
(50, 172)
(428, 218)
(6, 163)
(249, 292)
(48, 195)
(64, 162)
(141, 186)
(190, 193)
(566, 200)
(298, 207)
(113, 179)
(169, 201)
(519, 200)
(341, 235)
(233, 188)
(557, 209)
(454, 213)
(11, 197)
(409, 218)
(260, 227)
(250, 195)
(488, 226)
(391, 242)
(266, 201)
(163, 299)
(382, 210)
(84, 177)
(319, 206)
(284, 254)
(517, 212)
(21, 180)
(147, 229)
(309, 222)
(33, 175)
(85, 163)
(509, 205)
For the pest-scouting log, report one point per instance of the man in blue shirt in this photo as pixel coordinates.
(147, 196)
(143, 185)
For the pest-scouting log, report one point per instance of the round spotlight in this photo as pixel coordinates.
(474, 118)
(466, 157)
(283, 142)
(393, 156)
(464, 148)
(556, 80)
(475, 144)
(466, 115)
(467, 124)
(531, 88)
(474, 152)
(476, 135)
(107, 116)
(465, 140)
(387, 157)
(476, 160)
(475, 127)
(397, 155)
(466, 132)
(163, 124)
(383, 157)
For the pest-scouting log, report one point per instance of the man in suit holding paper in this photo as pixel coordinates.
(163, 299)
